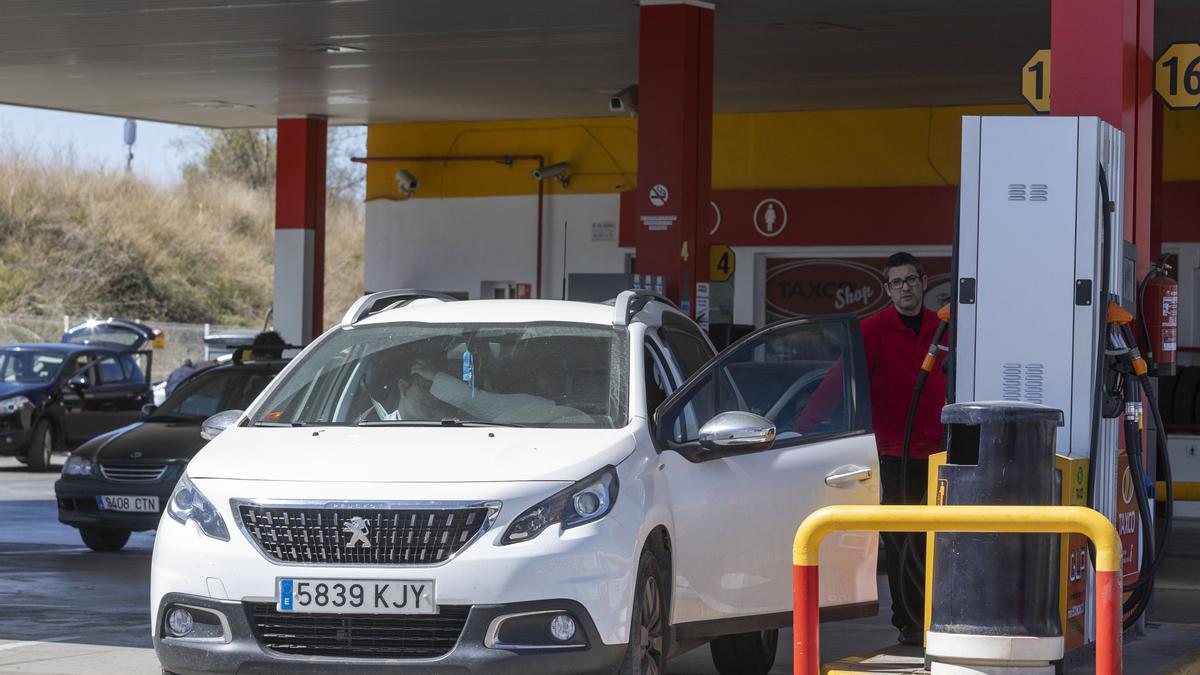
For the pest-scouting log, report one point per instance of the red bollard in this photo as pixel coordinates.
(1108, 623)
(806, 620)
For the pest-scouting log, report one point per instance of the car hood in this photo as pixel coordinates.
(410, 454)
(157, 442)
(9, 389)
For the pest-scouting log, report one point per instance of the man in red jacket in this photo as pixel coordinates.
(896, 340)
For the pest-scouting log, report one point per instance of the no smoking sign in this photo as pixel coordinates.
(659, 195)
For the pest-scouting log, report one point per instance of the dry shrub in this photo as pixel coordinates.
(95, 242)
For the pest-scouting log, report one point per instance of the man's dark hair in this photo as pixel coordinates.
(902, 258)
(268, 345)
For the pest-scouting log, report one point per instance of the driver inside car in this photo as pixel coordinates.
(513, 408)
(405, 397)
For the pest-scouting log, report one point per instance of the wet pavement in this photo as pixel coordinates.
(67, 609)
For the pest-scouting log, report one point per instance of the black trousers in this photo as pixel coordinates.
(906, 577)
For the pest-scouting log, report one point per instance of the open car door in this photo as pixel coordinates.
(775, 427)
(122, 334)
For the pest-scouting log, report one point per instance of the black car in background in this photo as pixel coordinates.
(119, 482)
(55, 396)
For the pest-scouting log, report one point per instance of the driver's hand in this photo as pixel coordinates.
(424, 368)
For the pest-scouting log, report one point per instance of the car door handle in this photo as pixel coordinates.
(847, 475)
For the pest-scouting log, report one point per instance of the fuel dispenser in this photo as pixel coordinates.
(1041, 317)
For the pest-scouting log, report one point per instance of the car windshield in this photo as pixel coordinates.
(541, 375)
(211, 391)
(29, 366)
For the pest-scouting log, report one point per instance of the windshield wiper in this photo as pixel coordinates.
(174, 418)
(280, 424)
(444, 422)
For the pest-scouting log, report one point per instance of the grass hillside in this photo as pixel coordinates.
(102, 243)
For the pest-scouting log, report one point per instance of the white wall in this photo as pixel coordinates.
(456, 244)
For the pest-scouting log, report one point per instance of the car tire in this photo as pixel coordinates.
(1166, 399)
(41, 447)
(745, 653)
(101, 539)
(646, 653)
(1187, 391)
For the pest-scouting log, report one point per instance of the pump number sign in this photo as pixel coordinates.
(1177, 75)
(1035, 81)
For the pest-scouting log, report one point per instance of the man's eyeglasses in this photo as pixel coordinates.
(910, 280)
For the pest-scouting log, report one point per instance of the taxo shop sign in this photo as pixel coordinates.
(823, 286)
(798, 287)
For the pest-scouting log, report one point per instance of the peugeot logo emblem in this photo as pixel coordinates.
(357, 527)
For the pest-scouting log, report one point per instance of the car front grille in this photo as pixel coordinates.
(368, 536)
(133, 473)
(379, 636)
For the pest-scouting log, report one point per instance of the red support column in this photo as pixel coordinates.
(1102, 52)
(675, 73)
(300, 229)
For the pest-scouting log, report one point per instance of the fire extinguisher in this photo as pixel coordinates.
(1159, 311)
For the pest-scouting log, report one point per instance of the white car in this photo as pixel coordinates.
(519, 486)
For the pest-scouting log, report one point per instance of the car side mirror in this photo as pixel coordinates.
(214, 425)
(80, 381)
(148, 410)
(737, 431)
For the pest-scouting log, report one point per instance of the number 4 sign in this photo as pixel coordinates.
(1177, 75)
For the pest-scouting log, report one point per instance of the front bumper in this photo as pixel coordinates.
(77, 504)
(240, 651)
(14, 436)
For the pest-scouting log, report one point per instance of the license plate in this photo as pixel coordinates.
(354, 596)
(134, 504)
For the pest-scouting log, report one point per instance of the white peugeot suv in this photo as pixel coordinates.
(519, 486)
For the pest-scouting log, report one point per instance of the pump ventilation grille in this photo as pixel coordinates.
(1039, 192)
(1016, 192)
(1023, 382)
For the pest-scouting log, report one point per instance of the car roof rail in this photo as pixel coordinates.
(628, 303)
(373, 303)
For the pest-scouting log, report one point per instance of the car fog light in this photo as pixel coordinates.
(562, 627)
(179, 621)
(587, 503)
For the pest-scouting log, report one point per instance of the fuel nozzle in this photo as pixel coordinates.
(930, 361)
(1119, 318)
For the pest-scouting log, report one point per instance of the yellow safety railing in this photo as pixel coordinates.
(1013, 519)
(1182, 492)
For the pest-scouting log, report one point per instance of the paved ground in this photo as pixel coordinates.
(65, 609)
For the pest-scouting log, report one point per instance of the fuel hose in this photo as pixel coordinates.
(910, 562)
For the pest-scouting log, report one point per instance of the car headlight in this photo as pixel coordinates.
(77, 465)
(589, 499)
(12, 404)
(188, 503)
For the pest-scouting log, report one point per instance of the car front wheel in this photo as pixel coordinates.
(41, 448)
(100, 539)
(646, 654)
(745, 653)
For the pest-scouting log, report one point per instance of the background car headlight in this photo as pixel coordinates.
(589, 499)
(77, 465)
(188, 503)
(12, 404)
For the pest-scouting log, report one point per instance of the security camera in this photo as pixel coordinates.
(558, 171)
(625, 100)
(406, 182)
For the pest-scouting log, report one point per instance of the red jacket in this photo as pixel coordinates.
(894, 356)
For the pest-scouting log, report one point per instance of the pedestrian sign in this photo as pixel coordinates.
(1177, 75)
(1035, 81)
